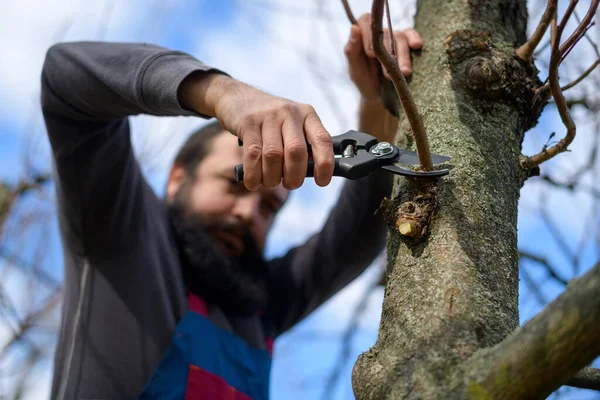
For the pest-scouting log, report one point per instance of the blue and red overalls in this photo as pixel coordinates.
(206, 362)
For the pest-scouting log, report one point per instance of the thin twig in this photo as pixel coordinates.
(587, 37)
(571, 186)
(561, 104)
(20, 263)
(390, 29)
(566, 53)
(350, 332)
(580, 31)
(533, 287)
(585, 103)
(541, 49)
(393, 69)
(349, 12)
(556, 234)
(565, 18)
(525, 52)
(582, 77)
(544, 93)
(545, 263)
(31, 319)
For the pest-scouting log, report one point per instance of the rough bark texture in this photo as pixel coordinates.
(454, 290)
(545, 352)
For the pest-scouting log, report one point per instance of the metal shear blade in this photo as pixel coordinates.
(408, 157)
(395, 169)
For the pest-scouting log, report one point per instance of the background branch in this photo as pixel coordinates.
(558, 54)
(546, 352)
(582, 76)
(561, 104)
(525, 52)
(349, 12)
(545, 263)
(581, 28)
(350, 332)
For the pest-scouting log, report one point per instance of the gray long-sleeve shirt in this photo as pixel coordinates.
(123, 288)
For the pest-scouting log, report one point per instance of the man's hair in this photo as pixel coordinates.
(197, 147)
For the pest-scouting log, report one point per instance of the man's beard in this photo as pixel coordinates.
(237, 284)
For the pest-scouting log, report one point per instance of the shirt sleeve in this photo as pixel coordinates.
(88, 91)
(350, 240)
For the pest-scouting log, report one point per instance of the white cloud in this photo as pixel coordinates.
(28, 28)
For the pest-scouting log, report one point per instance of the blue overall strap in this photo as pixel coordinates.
(205, 362)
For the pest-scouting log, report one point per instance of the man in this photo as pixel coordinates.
(172, 299)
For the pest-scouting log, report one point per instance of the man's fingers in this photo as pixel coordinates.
(252, 156)
(353, 48)
(364, 23)
(322, 149)
(415, 41)
(358, 64)
(403, 54)
(272, 153)
(295, 154)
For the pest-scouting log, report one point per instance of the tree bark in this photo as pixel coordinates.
(454, 291)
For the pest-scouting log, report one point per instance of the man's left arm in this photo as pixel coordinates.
(352, 236)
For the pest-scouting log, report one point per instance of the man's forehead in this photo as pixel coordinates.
(226, 145)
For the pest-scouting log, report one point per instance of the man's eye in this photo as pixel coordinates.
(270, 207)
(235, 186)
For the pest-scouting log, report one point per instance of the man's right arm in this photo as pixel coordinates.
(88, 91)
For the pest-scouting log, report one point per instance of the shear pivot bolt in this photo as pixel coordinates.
(382, 148)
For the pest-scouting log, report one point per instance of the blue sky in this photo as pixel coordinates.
(227, 34)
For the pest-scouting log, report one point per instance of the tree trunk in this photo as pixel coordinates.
(454, 290)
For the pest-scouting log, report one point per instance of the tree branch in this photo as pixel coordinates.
(31, 319)
(582, 28)
(571, 186)
(390, 29)
(561, 105)
(546, 352)
(558, 54)
(545, 263)
(587, 378)
(9, 195)
(349, 12)
(346, 352)
(525, 52)
(587, 37)
(566, 53)
(533, 287)
(406, 99)
(582, 77)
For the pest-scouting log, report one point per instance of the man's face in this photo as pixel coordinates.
(215, 195)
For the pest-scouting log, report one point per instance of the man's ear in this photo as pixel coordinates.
(177, 177)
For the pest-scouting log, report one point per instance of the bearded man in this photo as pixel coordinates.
(172, 298)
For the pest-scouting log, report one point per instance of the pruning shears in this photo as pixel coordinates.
(359, 154)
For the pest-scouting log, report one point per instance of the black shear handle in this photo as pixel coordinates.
(359, 166)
